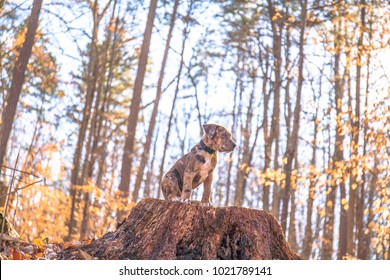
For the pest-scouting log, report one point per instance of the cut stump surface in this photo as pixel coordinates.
(158, 229)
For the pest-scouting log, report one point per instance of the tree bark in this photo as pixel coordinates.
(308, 244)
(292, 232)
(128, 154)
(183, 46)
(102, 165)
(165, 230)
(356, 129)
(243, 168)
(233, 129)
(148, 180)
(362, 236)
(75, 173)
(96, 122)
(152, 122)
(293, 142)
(18, 76)
(344, 218)
(274, 133)
(267, 139)
(337, 158)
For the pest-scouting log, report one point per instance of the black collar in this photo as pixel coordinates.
(207, 149)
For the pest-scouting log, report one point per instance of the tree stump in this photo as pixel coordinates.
(164, 230)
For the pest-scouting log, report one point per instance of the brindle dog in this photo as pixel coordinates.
(197, 166)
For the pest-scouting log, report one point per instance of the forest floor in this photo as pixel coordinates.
(17, 249)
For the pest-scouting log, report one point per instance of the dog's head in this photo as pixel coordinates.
(218, 138)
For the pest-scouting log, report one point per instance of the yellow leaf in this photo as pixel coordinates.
(276, 16)
(339, 103)
(38, 241)
(322, 213)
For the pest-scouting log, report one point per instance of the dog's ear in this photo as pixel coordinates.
(210, 129)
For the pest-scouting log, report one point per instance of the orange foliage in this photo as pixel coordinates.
(40, 212)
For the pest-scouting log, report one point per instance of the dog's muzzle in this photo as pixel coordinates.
(229, 147)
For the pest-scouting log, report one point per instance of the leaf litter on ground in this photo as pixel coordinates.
(39, 249)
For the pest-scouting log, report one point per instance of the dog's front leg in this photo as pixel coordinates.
(206, 197)
(187, 186)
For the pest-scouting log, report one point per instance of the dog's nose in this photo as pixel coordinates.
(234, 145)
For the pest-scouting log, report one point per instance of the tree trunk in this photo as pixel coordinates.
(18, 76)
(292, 232)
(152, 122)
(267, 139)
(308, 239)
(157, 229)
(149, 175)
(356, 129)
(233, 129)
(105, 104)
(344, 212)
(96, 123)
(243, 168)
(185, 36)
(75, 173)
(364, 238)
(128, 154)
(293, 142)
(337, 158)
(276, 51)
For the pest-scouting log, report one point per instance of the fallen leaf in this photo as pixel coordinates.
(85, 255)
(29, 249)
(51, 256)
(87, 241)
(16, 255)
(38, 241)
(68, 245)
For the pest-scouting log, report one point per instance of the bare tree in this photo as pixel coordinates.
(337, 157)
(178, 80)
(18, 77)
(355, 210)
(92, 69)
(152, 121)
(277, 28)
(128, 153)
(292, 143)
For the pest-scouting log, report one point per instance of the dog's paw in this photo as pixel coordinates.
(176, 198)
(181, 200)
(196, 202)
(185, 200)
(207, 204)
